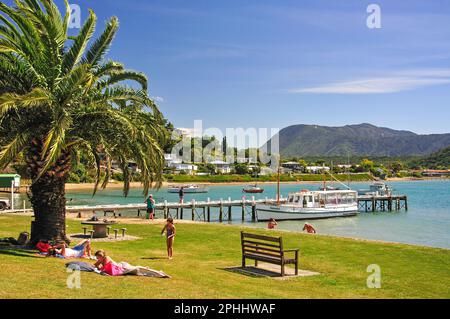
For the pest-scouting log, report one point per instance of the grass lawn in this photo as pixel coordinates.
(202, 251)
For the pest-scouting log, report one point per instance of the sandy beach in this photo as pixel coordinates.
(136, 185)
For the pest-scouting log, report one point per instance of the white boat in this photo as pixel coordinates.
(376, 189)
(311, 205)
(188, 189)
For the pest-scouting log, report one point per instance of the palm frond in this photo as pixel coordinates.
(101, 46)
(9, 101)
(75, 53)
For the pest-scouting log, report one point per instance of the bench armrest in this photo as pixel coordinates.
(291, 250)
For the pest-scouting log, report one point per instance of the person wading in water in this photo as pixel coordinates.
(150, 207)
(181, 194)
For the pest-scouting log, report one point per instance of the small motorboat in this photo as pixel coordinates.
(376, 189)
(329, 188)
(253, 189)
(188, 189)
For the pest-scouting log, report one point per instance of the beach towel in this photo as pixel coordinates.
(81, 266)
(125, 269)
(120, 269)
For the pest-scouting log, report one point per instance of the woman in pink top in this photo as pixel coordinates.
(107, 265)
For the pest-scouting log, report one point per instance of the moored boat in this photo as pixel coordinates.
(253, 189)
(311, 205)
(376, 189)
(188, 189)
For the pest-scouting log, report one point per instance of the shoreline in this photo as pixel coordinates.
(136, 185)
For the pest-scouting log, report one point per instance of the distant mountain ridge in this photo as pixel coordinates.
(359, 140)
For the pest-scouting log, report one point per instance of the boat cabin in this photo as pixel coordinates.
(316, 199)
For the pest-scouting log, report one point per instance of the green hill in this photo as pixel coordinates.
(356, 140)
(438, 160)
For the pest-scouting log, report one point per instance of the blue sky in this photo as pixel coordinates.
(259, 63)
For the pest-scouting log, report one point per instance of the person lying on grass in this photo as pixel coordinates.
(169, 228)
(81, 250)
(108, 266)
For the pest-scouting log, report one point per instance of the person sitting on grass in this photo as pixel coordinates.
(272, 224)
(309, 228)
(81, 250)
(169, 228)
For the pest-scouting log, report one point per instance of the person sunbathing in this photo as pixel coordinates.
(107, 265)
(81, 250)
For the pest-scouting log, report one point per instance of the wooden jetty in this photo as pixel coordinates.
(201, 210)
(391, 203)
(194, 210)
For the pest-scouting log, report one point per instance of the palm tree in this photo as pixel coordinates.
(59, 97)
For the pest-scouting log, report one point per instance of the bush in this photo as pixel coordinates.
(117, 177)
(73, 178)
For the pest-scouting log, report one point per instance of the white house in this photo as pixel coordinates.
(169, 159)
(267, 171)
(317, 169)
(188, 168)
(221, 167)
(172, 161)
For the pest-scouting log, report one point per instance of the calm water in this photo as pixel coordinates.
(427, 221)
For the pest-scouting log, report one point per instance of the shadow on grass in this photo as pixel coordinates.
(269, 272)
(18, 252)
(252, 271)
(154, 258)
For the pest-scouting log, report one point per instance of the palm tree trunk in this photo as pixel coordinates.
(49, 205)
(48, 196)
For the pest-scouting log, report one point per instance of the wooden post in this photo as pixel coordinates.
(253, 212)
(229, 209)
(221, 210)
(165, 210)
(406, 203)
(374, 204)
(243, 210)
(209, 210)
(193, 209)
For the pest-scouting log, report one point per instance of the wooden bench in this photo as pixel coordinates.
(267, 249)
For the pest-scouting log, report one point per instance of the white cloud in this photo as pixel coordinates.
(402, 81)
(158, 99)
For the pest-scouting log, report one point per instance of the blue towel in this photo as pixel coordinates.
(81, 266)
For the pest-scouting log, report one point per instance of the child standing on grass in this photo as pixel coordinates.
(169, 228)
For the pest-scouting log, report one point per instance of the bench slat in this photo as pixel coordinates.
(263, 249)
(254, 252)
(245, 241)
(261, 237)
(277, 261)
